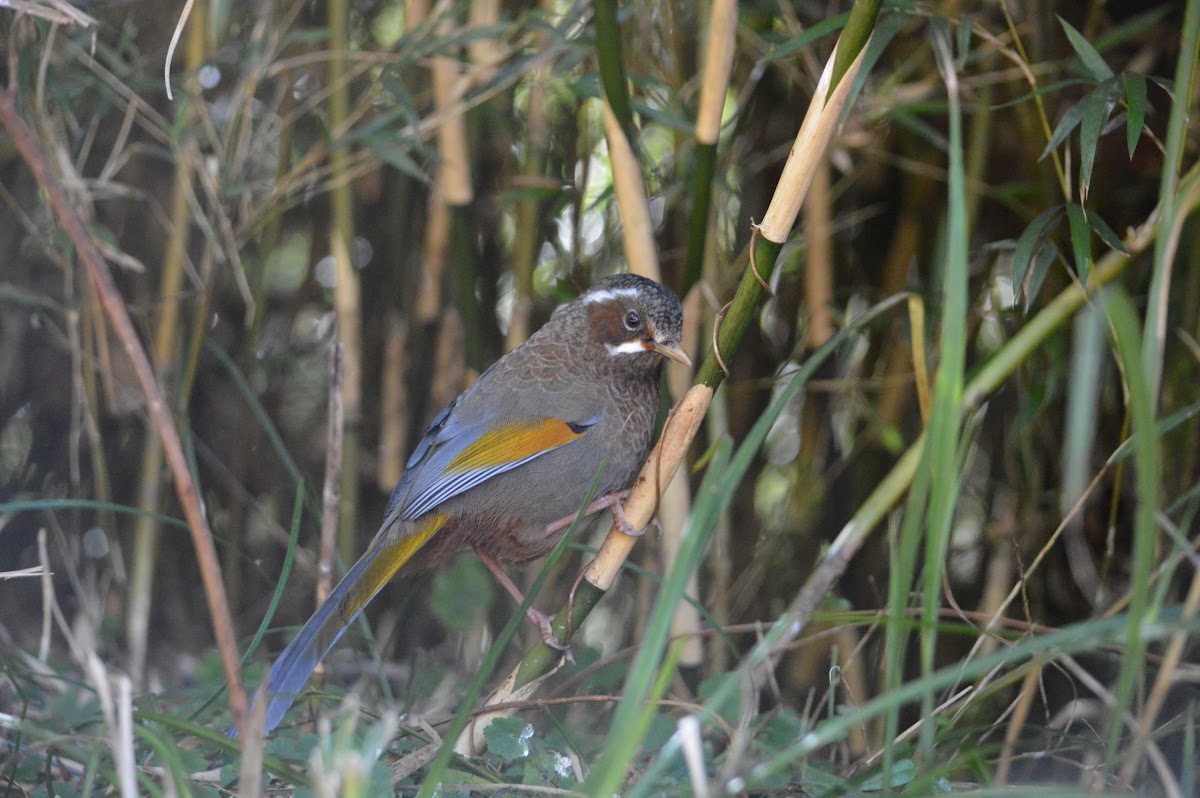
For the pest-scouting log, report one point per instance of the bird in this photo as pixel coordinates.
(506, 466)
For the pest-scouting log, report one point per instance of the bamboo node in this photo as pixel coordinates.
(755, 232)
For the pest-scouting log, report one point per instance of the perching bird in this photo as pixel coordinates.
(508, 463)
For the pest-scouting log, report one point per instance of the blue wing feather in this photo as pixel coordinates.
(427, 482)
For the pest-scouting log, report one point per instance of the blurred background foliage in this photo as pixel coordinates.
(221, 210)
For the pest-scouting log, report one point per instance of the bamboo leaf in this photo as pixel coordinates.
(1070, 120)
(1093, 62)
(1165, 425)
(1041, 91)
(1097, 107)
(1041, 267)
(1081, 241)
(1030, 243)
(962, 40)
(1106, 233)
(1135, 104)
(797, 43)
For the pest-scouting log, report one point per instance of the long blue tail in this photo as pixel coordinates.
(360, 584)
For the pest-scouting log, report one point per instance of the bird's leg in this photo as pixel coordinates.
(539, 619)
(609, 501)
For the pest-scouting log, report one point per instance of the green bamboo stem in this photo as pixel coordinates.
(528, 211)
(854, 38)
(812, 140)
(730, 332)
(703, 169)
(1165, 245)
(732, 328)
(718, 62)
(612, 71)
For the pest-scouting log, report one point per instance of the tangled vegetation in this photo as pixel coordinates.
(935, 527)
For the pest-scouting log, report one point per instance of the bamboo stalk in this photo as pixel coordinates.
(528, 211)
(818, 271)
(346, 292)
(331, 497)
(688, 414)
(163, 351)
(452, 184)
(484, 52)
(612, 69)
(714, 84)
(637, 231)
(393, 406)
(811, 141)
(454, 171)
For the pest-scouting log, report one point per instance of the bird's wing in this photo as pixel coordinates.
(457, 454)
(454, 455)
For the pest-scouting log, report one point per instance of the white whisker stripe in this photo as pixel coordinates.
(627, 348)
(608, 295)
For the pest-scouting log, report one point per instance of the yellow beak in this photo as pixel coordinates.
(673, 351)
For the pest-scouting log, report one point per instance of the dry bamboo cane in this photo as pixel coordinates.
(686, 417)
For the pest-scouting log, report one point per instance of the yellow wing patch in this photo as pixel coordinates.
(388, 561)
(514, 442)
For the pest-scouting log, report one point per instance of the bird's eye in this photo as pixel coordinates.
(633, 320)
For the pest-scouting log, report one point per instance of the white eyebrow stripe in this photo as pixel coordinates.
(608, 294)
(627, 348)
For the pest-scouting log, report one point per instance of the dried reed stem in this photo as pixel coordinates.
(331, 495)
(164, 425)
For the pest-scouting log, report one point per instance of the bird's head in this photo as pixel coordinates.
(635, 320)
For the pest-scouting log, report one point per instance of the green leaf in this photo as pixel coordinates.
(962, 40)
(392, 79)
(664, 117)
(1106, 233)
(1131, 29)
(902, 773)
(1093, 62)
(1081, 241)
(1031, 242)
(1135, 104)
(1162, 427)
(904, 116)
(1097, 107)
(1041, 91)
(508, 738)
(1069, 121)
(549, 769)
(1037, 275)
(820, 781)
(804, 39)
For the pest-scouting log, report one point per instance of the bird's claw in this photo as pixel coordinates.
(542, 621)
(621, 523)
(611, 502)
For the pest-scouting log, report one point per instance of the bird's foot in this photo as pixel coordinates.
(618, 513)
(609, 501)
(540, 619)
(543, 622)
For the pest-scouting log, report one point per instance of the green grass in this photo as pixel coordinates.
(994, 592)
